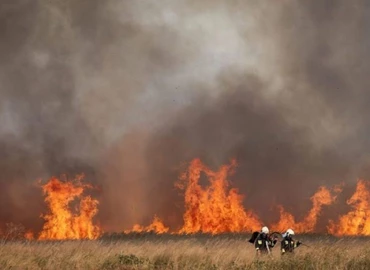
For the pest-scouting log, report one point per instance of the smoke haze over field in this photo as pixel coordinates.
(129, 91)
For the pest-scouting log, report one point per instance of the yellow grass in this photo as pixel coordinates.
(170, 252)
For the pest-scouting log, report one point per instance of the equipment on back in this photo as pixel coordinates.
(263, 241)
(288, 244)
(253, 237)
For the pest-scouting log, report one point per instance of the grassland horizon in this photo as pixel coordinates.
(150, 251)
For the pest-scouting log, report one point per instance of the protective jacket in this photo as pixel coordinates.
(264, 243)
(288, 244)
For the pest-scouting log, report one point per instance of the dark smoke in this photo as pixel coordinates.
(129, 91)
(43, 131)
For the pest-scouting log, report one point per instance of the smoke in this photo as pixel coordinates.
(129, 91)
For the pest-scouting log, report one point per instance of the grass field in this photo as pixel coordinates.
(182, 252)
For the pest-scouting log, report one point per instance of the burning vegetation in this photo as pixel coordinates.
(214, 208)
(322, 197)
(61, 223)
(357, 221)
(218, 208)
(156, 226)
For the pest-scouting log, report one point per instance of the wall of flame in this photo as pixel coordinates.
(214, 209)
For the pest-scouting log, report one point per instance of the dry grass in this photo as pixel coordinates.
(171, 252)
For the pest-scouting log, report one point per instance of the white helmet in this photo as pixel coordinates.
(265, 230)
(290, 232)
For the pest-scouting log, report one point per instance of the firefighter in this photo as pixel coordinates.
(288, 244)
(264, 243)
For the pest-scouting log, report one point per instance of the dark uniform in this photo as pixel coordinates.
(264, 243)
(288, 244)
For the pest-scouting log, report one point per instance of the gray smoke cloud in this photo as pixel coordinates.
(129, 91)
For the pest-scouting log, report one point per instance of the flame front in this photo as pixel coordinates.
(215, 208)
(356, 221)
(322, 197)
(212, 208)
(156, 226)
(61, 223)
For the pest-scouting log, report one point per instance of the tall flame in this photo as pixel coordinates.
(61, 223)
(356, 221)
(211, 208)
(322, 197)
(215, 208)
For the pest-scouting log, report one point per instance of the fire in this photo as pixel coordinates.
(356, 221)
(156, 226)
(61, 223)
(29, 235)
(215, 208)
(212, 208)
(322, 197)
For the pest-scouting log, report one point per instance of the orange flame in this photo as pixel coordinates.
(216, 208)
(212, 208)
(156, 226)
(319, 199)
(357, 221)
(61, 223)
(29, 235)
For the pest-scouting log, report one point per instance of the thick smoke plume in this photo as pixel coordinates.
(129, 91)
